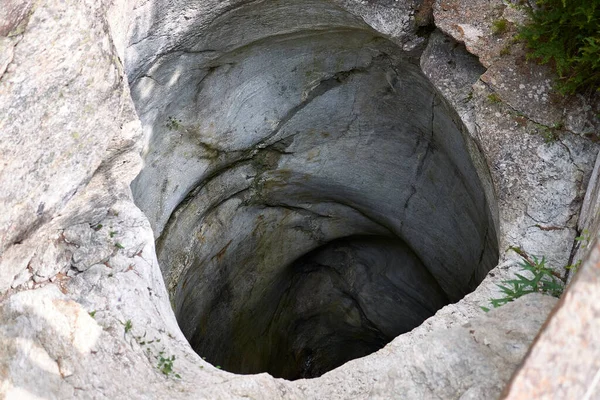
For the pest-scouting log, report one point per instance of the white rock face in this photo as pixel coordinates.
(84, 309)
(68, 121)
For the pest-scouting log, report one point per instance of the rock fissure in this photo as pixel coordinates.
(322, 87)
(568, 150)
(530, 118)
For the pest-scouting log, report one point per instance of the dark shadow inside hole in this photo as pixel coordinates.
(344, 300)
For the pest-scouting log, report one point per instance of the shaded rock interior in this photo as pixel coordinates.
(312, 194)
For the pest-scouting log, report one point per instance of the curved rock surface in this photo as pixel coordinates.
(282, 128)
(301, 162)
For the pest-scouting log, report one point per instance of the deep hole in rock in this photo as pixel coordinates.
(312, 194)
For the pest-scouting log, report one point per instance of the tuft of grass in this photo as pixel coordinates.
(584, 239)
(505, 50)
(541, 279)
(128, 326)
(565, 35)
(494, 98)
(549, 134)
(573, 268)
(500, 26)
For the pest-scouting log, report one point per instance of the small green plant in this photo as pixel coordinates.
(574, 267)
(165, 364)
(583, 239)
(128, 325)
(173, 124)
(565, 35)
(119, 245)
(92, 314)
(97, 227)
(112, 234)
(542, 280)
(143, 341)
(499, 26)
(494, 98)
(549, 134)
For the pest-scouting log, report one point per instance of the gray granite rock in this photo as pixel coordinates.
(66, 119)
(319, 156)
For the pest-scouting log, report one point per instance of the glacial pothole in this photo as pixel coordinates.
(312, 195)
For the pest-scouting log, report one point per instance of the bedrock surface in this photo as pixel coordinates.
(84, 312)
(311, 193)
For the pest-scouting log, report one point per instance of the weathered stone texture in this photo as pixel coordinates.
(525, 131)
(84, 311)
(66, 118)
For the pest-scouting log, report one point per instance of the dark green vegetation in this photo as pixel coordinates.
(500, 26)
(566, 34)
(165, 364)
(541, 280)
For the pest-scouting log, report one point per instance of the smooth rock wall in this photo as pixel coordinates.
(277, 128)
